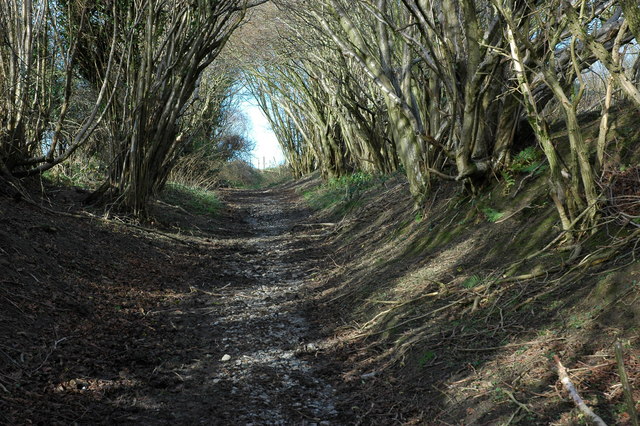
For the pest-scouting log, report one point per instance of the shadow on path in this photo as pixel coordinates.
(118, 325)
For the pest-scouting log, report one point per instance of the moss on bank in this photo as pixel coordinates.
(441, 300)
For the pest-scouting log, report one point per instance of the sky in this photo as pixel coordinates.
(266, 144)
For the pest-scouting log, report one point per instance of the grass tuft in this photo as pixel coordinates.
(343, 192)
(194, 200)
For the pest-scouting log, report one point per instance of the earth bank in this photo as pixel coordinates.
(360, 310)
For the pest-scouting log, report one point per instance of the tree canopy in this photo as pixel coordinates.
(439, 89)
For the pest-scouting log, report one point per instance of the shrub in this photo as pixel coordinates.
(240, 174)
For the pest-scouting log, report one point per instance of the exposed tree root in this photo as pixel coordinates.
(566, 274)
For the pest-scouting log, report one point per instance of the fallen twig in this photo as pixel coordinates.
(410, 320)
(503, 219)
(182, 209)
(51, 351)
(515, 401)
(626, 387)
(509, 345)
(209, 293)
(573, 392)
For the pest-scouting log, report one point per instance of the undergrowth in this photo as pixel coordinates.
(341, 194)
(86, 173)
(194, 200)
(482, 290)
(527, 160)
(530, 161)
(492, 215)
(240, 174)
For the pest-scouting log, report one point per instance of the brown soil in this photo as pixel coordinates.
(195, 320)
(268, 313)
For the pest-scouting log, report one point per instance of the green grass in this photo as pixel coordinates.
(194, 200)
(321, 198)
(341, 193)
(355, 182)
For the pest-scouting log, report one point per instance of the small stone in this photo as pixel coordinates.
(226, 358)
(368, 375)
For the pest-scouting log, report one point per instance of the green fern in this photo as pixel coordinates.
(508, 179)
(527, 155)
(471, 282)
(492, 215)
(526, 160)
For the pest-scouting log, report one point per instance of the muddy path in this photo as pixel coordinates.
(199, 321)
(259, 323)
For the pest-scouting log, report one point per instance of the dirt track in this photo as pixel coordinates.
(260, 325)
(204, 324)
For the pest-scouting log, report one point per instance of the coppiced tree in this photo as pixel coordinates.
(39, 49)
(319, 98)
(368, 44)
(212, 129)
(551, 45)
(164, 46)
(287, 123)
(445, 85)
(317, 121)
(438, 88)
(453, 82)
